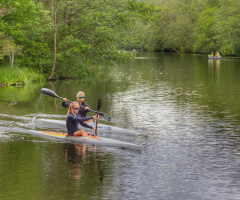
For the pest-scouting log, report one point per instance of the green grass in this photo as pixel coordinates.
(19, 75)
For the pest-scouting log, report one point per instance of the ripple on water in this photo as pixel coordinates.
(186, 148)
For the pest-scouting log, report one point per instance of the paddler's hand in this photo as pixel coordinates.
(64, 99)
(86, 108)
(95, 117)
(94, 129)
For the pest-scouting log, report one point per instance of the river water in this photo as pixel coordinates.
(184, 107)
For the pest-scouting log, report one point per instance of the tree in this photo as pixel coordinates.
(71, 38)
(20, 22)
(227, 27)
(173, 27)
(206, 32)
(194, 26)
(9, 48)
(86, 34)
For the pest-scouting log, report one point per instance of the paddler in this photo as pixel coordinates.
(74, 118)
(84, 107)
(212, 54)
(217, 54)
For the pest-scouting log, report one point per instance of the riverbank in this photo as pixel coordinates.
(19, 76)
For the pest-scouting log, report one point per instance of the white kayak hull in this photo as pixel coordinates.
(93, 140)
(102, 128)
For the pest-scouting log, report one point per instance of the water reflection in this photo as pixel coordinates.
(214, 63)
(214, 68)
(76, 156)
(186, 110)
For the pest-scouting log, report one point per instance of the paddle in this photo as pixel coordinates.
(50, 93)
(99, 105)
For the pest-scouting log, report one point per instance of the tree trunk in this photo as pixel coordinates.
(55, 54)
(11, 50)
(11, 57)
(54, 21)
(171, 47)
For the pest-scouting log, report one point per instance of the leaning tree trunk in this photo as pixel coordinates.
(55, 55)
(11, 57)
(54, 20)
(171, 46)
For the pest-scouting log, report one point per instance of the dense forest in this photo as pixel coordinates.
(192, 26)
(74, 38)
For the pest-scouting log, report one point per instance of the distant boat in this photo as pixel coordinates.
(212, 57)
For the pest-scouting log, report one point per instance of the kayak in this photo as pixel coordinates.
(102, 128)
(212, 57)
(90, 139)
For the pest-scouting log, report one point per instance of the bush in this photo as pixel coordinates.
(19, 76)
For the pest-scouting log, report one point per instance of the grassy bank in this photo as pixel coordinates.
(19, 76)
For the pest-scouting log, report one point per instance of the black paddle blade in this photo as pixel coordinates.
(105, 116)
(48, 92)
(99, 104)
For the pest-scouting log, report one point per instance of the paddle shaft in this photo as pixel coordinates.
(99, 105)
(96, 125)
(49, 92)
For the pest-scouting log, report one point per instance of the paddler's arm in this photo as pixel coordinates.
(85, 124)
(64, 104)
(80, 119)
(86, 107)
(88, 118)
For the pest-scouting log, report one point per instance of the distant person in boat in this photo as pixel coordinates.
(84, 107)
(73, 119)
(212, 54)
(217, 54)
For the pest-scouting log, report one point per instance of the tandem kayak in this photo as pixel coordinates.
(102, 128)
(212, 57)
(90, 139)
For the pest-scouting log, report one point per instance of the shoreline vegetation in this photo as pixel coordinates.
(17, 76)
(62, 40)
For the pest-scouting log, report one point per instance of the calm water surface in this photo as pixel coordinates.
(184, 107)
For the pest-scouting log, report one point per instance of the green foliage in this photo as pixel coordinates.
(81, 36)
(196, 26)
(228, 29)
(84, 36)
(205, 33)
(26, 27)
(88, 36)
(19, 76)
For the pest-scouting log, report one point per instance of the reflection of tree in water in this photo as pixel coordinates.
(12, 103)
(54, 99)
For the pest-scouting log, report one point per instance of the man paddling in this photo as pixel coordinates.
(84, 107)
